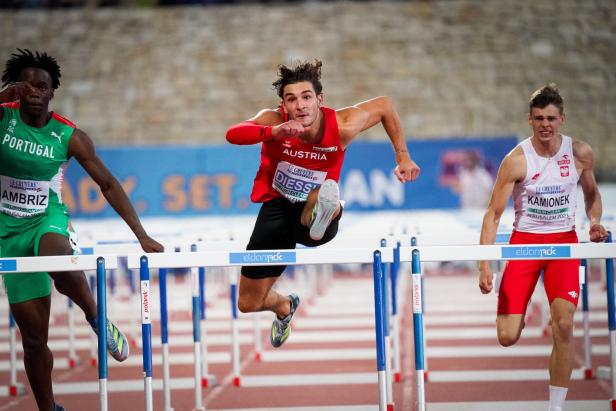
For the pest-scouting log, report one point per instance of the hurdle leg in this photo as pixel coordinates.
(387, 343)
(588, 372)
(207, 380)
(72, 355)
(395, 321)
(194, 276)
(101, 302)
(418, 330)
(93, 343)
(257, 336)
(146, 331)
(609, 278)
(164, 337)
(379, 329)
(15, 388)
(235, 339)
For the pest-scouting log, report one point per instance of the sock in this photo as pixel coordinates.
(93, 323)
(557, 398)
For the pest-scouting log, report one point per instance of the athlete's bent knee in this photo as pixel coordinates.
(506, 338)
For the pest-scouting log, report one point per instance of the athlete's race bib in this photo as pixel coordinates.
(547, 202)
(23, 198)
(296, 182)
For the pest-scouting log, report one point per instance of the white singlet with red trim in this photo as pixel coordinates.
(545, 201)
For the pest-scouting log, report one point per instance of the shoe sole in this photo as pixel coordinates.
(126, 344)
(328, 201)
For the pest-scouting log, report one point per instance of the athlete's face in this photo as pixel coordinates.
(546, 122)
(302, 103)
(36, 99)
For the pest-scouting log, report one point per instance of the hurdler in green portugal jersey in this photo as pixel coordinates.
(32, 165)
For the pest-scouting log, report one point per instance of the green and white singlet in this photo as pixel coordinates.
(32, 165)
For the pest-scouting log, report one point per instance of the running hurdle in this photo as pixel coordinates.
(378, 257)
(503, 253)
(101, 263)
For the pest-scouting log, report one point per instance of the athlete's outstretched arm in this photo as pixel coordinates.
(355, 119)
(265, 126)
(592, 198)
(82, 148)
(510, 171)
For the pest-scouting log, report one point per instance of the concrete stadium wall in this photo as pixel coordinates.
(453, 68)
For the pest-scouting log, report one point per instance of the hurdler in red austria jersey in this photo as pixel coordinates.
(302, 152)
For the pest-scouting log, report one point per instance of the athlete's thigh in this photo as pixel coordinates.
(517, 285)
(56, 236)
(24, 286)
(273, 228)
(32, 317)
(272, 231)
(561, 280)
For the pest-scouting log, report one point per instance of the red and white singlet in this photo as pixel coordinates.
(545, 201)
(290, 168)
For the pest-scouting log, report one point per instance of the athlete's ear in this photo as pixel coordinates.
(320, 99)
(283, 111)
(51, 95)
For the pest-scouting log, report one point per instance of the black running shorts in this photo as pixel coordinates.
(278, 227)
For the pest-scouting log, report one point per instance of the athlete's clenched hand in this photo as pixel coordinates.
(291, 128)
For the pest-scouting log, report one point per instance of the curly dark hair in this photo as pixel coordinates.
(545, 96)
(303, 71)
(25, 58)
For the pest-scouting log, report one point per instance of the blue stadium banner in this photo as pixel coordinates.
(216, 180)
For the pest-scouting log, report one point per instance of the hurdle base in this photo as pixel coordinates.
(18, 389)
(73, 362)
(236, 381)
(588, 374)
(258, 357)
(604, 373)
(208, 381)
(390, 407)
(613, 402)
(94, 362)
(397, 377)
(426, 375)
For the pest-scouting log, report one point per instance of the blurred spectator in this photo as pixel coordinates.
(474, 184)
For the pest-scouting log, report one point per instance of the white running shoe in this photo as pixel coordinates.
(328, 201)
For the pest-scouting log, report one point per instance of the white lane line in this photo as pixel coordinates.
(490, 332)
(319, 355)
(136, 360)
(459, 319)
(308, 379)
(516, 406)
(316, 408)
(498, 351)
(497, 375)
(120, 386)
